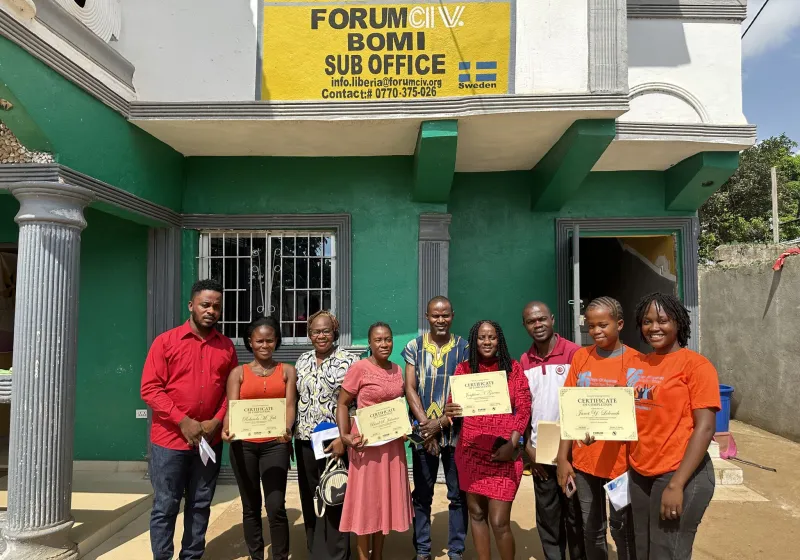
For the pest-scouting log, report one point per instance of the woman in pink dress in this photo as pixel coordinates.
(489, 466)
(378, 499)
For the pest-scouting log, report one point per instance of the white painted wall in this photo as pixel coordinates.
(72, 53)
(205, 50)
(196, 50)
(654, 107)
(190, 50)
(552, 46)
(702, 58)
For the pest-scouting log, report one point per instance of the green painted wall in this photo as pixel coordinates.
(87, 135)
(112, 344)
(112, 341)
(9, 231)
(375, 191)
(502, 255)
(189, 266)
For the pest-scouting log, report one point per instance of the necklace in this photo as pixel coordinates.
(264, 373)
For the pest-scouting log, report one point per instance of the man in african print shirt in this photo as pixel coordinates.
(430, 361)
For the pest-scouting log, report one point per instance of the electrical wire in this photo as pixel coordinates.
(764, 5)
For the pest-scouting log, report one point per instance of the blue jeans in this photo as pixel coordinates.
(426, 467)
(177, 475)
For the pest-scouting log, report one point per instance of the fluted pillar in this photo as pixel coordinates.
(39, 520)
(434, 255)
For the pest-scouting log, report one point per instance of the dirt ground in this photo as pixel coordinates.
(764, 530)
(734, 527)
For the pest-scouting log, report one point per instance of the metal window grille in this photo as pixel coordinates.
(287, 274)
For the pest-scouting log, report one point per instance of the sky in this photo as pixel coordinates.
(771, 68)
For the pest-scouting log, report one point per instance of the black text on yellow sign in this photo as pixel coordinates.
(335, 50)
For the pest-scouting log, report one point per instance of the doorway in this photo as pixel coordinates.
(624, 258)
(626, 269)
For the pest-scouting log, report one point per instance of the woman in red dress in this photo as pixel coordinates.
(489, 468)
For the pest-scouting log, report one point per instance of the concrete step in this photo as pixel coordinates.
(736, 493)
(727, 473)
(102, 504)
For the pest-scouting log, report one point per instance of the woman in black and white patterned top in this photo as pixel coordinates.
(320, 373)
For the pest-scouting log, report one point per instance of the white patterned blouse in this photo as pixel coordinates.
(318, 389)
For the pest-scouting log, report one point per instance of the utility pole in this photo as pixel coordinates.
(776, 236)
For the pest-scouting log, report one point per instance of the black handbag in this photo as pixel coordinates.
(332, 486)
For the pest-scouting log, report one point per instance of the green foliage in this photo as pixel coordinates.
(741, 210)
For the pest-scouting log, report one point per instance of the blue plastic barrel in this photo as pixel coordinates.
(724, 414)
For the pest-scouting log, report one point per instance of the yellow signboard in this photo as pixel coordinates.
(365, 50)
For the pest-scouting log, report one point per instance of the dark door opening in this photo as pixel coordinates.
(627, 269)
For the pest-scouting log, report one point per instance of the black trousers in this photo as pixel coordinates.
(323, 538)
(558, 519)
(257, 466)
(673, 539)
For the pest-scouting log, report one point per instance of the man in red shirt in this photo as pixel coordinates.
(546, 365)
(183, 382)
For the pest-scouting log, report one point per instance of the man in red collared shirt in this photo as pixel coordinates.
(546, 365)
(184, 382)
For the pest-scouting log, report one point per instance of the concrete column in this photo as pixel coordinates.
(434, 262)
(434, 256)
(45, 354)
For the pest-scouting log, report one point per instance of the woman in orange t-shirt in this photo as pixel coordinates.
(595, 463)
(263, 462)
(677, 396)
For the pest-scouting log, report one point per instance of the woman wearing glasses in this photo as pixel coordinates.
(320, 373)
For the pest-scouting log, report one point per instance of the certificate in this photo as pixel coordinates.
(257, 418)
(606, 413)
(384, 422)
(480, 394)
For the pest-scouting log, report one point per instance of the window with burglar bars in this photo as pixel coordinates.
(287, 274)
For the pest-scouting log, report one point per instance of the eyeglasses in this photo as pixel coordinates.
(321, 332)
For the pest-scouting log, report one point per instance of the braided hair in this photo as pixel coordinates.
(614, 307)
(329, 315)
(674, 309)
(503, 355)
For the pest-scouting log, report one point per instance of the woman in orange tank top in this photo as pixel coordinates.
(263, 462)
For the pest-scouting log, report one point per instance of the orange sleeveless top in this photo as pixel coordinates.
(256, 387)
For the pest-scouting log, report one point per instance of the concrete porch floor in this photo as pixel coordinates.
(103, 503)
(741, 523)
